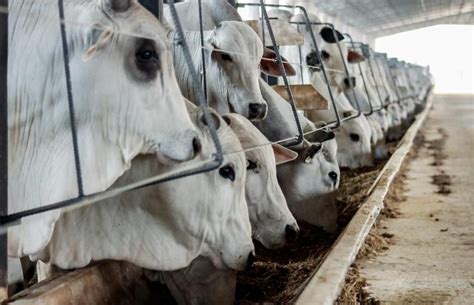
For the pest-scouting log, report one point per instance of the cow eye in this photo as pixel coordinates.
(354, 137)
(226, 57)
(227, 172)
(251, 165)
(146, 55)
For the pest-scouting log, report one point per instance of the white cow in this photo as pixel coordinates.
(165, 226)
(215, 11)
(126, 97)
(272, 222)
(232, 79)
(310, 182)
(353, 136)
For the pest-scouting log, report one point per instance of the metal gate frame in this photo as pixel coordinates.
(3, 143)
(7, 220)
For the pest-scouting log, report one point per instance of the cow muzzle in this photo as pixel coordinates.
(312, 60)
(291, 233)
(350, 82)
(179, 148)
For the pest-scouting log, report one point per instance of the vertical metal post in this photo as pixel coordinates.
(3, 143)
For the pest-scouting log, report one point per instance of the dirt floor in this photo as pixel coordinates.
(429, 255)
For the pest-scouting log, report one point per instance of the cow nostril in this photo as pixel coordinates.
(257, 111)
(250, 260)
(291, 233)
(333, 176)
(196, 146)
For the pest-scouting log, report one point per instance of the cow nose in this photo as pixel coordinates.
(291, 233)
(257, 111)
(312, 59)
(333, 176)
(250, 260)
(350, 82)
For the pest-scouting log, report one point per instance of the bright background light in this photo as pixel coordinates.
(447, 49)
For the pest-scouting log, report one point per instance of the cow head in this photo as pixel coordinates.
(333, 60)
(126, 69)
(272, 222)
(233, 70)
(309, 183)
(353, 142)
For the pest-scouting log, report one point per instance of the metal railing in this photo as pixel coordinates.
(214, 162)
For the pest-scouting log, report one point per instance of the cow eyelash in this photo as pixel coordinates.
(251, 165)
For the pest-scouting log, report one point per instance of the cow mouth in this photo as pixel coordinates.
(218, 262)
(164, 159)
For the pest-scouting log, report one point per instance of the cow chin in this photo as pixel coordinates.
(217, 262)
(163, 159)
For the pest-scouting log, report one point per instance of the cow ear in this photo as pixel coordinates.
(311, 151)
(283, 154)
(354, 57)
(269, 66)
(117, 5)
(328, 34)
(320, 136)
(100, 38)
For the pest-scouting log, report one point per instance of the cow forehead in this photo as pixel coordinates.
(137, 22)
(239, 37)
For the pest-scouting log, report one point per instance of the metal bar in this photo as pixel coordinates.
(203, 53)
(3, 144)
(215, 162)
(334, 124)
(391, 77)
(371, 68)
(337, 123)
(351, 41)
(279, 60)
(379, 71)
(326, 282)
(70, 99)
(359, 112)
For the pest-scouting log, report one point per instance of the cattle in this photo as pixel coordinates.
(126, 98)
(232, 80)
(353, 86)
(353, 136)
(273, 225)
(308, 60)
(310, 182)
(215, 11)
(165, 226)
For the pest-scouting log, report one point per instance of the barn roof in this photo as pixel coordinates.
(384, 17)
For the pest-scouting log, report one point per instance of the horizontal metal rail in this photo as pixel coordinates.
(326, 282)
(83, 200)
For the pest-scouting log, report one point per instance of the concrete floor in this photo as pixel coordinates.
(432, 259)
